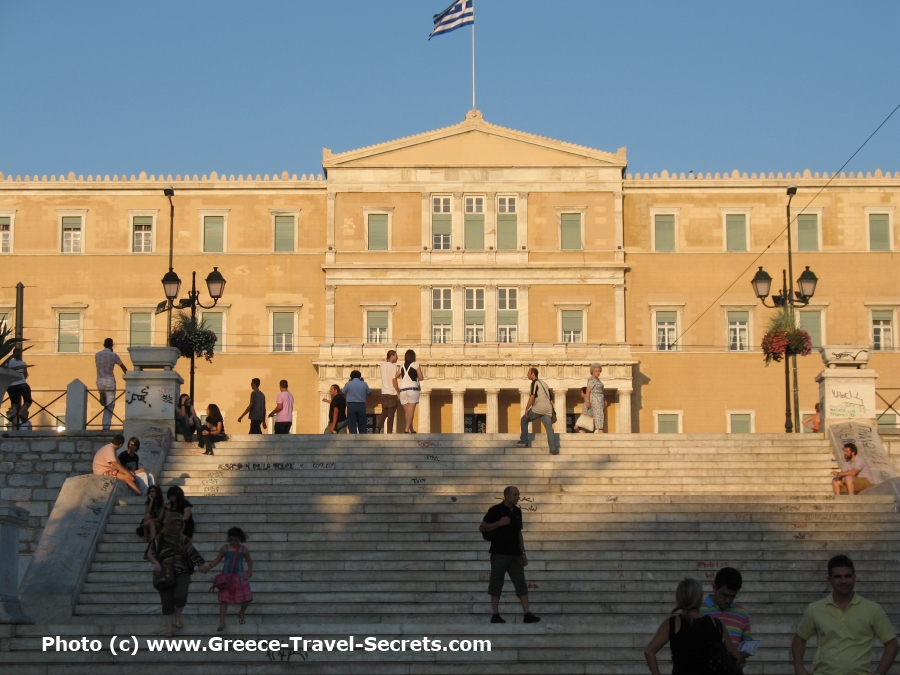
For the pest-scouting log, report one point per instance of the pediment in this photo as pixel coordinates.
(474, 143)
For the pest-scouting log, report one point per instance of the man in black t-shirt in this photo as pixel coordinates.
(337, 411)
(503, 524)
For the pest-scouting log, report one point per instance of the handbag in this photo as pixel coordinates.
(585, 422)
(720, 661)
(223, 578)
(165, 578)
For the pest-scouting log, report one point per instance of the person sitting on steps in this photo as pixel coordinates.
(856, 476)
(214, 430)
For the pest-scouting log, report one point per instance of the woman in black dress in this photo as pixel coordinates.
(178, 504)
(692, 635)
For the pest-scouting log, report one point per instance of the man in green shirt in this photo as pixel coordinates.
(845, 626)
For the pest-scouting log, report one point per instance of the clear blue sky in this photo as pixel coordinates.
(260, 87)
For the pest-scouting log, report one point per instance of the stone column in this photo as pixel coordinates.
(623, 415)
(424, 409)
(524, 331)
(522, 221)
(426, 314)
(620, 312)
(493, 410)
(490, 313)
(620, 229)
(427, 241)
(323, 409)
(459, 314)
(559, 402)
(12, 518)
(76, 406)
(524, 395)
(490, 221)
(329, 314)
(457, 220)
(459, 411)
(329, 228)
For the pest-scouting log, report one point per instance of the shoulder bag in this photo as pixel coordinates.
(165, 578)
(223, 579)
(720, 661)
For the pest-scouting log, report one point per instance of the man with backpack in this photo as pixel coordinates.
(502, 526)
(539, 407)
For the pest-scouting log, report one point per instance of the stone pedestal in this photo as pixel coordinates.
(152, 396)
(493, 411)
(846, 387)
(458, 411)
(12, 518)
(424, 411)
(76, 406)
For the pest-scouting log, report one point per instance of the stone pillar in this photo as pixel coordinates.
(559, 402)
(12, 518)
(425, 309)
(623, 415)
(76, 406)
(524, 330)
(490, 313)
(323, 408)
(424, 409)
(329, 228)
(524, 395)
(152, 395)
(458, 295)
(846, 387)
(620, 312)
(493, 410)
(329, 314)
(459, 411)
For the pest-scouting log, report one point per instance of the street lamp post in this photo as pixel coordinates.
(789, 299)
(215, 284)
(170, 276)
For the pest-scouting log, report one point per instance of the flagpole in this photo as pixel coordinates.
(473, 65)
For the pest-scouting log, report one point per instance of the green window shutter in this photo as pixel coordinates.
(883, 315)
(69, 332)
(475, 316)
(667, 423)
(441, 316)
(284, 233)
(508, 317)
(474, 231)
(441, 223)
(807, 232)
(213, 321)
(879, 232)
(667, 317)
(570, 236)
(143, 221)
(572, 319)
(71, 222)
(887, 421)
(811, 322)
(141, 329)
(283, 323)
(377, 319)
(740, 423)
(507, 231)
(213, 234)
(736, 232)
(378, 232)
(733, 317)
(664, 225)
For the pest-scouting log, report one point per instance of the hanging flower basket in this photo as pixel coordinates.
(783, 338)
(192, 337)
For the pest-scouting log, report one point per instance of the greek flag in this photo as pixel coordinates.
(460, 13)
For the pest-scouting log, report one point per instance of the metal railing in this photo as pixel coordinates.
(42, 417)
(895, 400)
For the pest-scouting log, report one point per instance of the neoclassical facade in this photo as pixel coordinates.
(484, 249)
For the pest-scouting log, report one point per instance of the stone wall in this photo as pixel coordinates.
(33, 467)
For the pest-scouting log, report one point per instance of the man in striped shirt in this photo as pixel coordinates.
(721, 605)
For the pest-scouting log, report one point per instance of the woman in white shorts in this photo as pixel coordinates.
(408, 382)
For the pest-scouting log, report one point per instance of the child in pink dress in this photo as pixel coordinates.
(237, 589)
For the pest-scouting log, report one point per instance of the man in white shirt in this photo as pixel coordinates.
(389, 400)
(107, 464)
(856, 476)
(106, 360)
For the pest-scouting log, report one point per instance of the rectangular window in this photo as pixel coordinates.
(474, 298)
(664, 232)
(441, 315)
(377, 326)
(284, 234)
(668, 423)
(5, 234)
(69, 337)
(507, 315)
(666, 331)
(741, 423)
(507, 224)
(142, 234)
(474, 223)
(282, 331)
(738, 331)
(506, 333)
(736, 232)
(474, 333)
(811, 322)
(572, 325)
(215, 322)
(441, 223)
(879, 232)
(213, 234)
(507, 298)
(474, 317)
(808, 232)
(882, 330)
(378, 231)
(71, 234)
(570, 235)
(140, 330)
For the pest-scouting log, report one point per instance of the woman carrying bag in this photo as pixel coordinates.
(174, 559)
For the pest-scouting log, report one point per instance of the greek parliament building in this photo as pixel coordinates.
(487, 250)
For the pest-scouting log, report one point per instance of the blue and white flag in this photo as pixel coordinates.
(460, 13)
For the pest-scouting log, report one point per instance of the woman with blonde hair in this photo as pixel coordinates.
(694, 637)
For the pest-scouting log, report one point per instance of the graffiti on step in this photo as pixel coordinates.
(711, 564)
(434, 458)
(429, 444)
(419, 481)
(323, 465)
(285, 655)
(260, 466)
